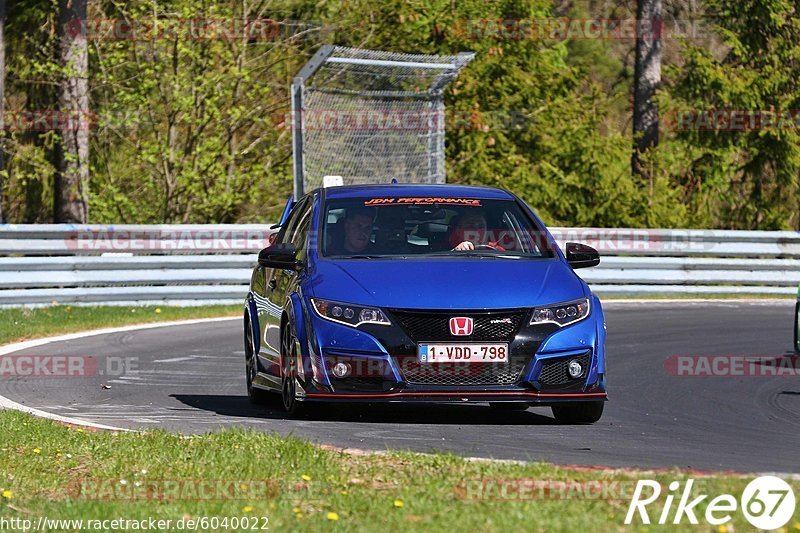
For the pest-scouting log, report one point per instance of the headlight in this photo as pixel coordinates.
(348, 314)
(562, 314)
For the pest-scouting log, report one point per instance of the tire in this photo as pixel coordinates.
(797, 327)
(293, 407)
(578, 413)
(255, 395)
(509, 406)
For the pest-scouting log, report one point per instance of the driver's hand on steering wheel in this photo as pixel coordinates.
(467, 245)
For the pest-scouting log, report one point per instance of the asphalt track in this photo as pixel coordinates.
(190, 379)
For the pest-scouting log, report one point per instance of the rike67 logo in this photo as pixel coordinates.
(767, 502)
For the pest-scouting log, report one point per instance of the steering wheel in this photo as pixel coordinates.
(478, 247)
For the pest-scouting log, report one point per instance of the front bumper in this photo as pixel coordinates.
(538, 356)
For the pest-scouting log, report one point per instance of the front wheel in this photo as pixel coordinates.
(289, 361)
(578, 413)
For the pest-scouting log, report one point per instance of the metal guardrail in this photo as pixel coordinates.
(202, 264)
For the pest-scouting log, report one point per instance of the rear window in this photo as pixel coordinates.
(419, 226)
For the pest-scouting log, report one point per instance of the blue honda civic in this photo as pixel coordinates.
(423, 293)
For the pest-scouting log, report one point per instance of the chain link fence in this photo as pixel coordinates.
(371, 116)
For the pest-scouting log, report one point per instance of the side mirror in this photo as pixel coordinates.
(581, 256)
(282, 256)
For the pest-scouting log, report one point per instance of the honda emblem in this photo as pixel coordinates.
(461, 326)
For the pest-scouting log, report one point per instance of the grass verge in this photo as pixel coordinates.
(61, 472)
(29, 323)
(242, 478)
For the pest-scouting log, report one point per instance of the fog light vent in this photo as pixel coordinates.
(575, 369)
(341, 370)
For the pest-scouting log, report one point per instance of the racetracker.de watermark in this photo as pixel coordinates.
(167, 240)
(501, 489)
(737, 366)
(120, 523)
(733, 120)
(43, 120)
(396, 120)
(373, 367)
(65, 366)
(565, 28)
(192, 29)
(637, 240)
(138, 489)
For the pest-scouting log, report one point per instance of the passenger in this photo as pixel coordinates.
(468, 230)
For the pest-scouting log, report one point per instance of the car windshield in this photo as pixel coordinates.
(415, 226)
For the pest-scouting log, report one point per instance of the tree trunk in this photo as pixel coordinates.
(647, 78)
(2, 103)
(72, 177)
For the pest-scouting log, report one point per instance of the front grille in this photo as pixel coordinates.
(456, 374)
(435, 326)
(361, 384)
(555, 372)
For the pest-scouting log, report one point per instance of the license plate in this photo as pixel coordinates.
(463, 353)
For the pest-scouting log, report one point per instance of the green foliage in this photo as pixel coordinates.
(745, 178)
(194, 130)
(538, 116)
(30, 69)
(187, 127)
(31, 192)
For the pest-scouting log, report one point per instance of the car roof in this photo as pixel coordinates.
(416, 189)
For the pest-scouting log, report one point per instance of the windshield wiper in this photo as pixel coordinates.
(468, 253)
(485, 254)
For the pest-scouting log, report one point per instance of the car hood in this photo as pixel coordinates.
(446, 283)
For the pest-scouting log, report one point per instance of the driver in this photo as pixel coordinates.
(468, 230)
(357, 231)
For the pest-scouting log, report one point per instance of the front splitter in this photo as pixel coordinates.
(532, 397)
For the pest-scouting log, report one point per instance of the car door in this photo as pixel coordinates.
(264, 283)
(279, 283)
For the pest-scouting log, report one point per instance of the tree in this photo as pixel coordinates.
(194, 130)
(72, 178)
(647, 78)
(737, 115)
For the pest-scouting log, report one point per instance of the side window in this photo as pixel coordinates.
(333, 229)
(300, 234)
(286, 232)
